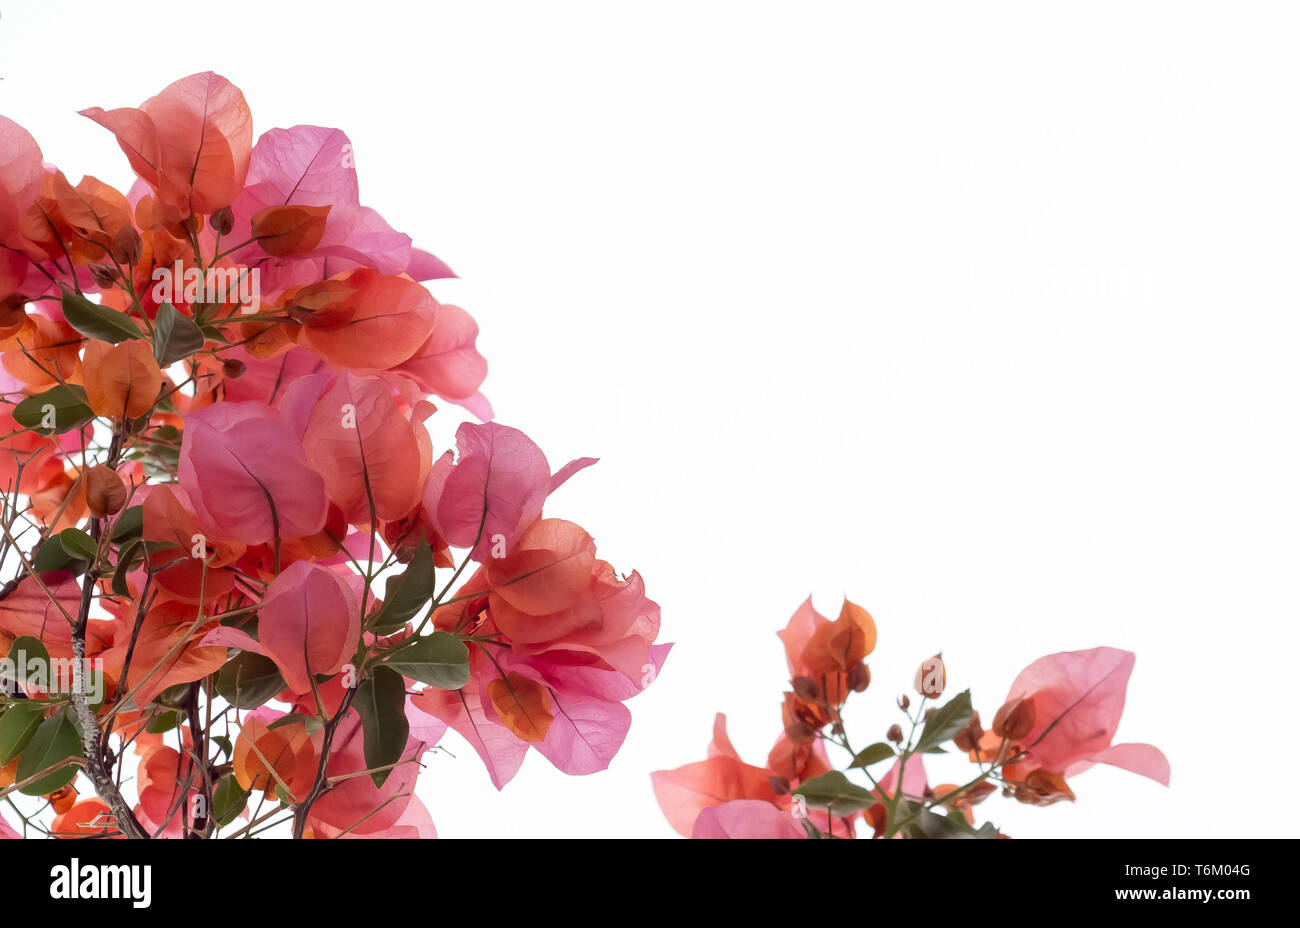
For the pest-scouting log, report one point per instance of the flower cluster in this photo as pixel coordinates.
(1059, 718)
(223, 511)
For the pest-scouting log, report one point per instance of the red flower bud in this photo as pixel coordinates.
(222, 221)
(105, 491)
(1015, 720)
(127, 246)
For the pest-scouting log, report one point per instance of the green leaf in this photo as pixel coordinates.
(407, 593)
(169, 433)
(78, 544)
(833, 792)
(59, 409)
(228, 800)
(214, 332)
(164, 722)
(223, 742)
(51, 556)
(381, 701)
(17, 725)
(129, 524)
(27, 650)
(95, 321)
(174, 336)
(56, 739)
(872, 754)
(126, 558)
(926, 824)
(249, 680)
(310, 722)
(440, 660)
(946, 721)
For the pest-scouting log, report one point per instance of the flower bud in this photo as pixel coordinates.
(1015, 720)
(105, 491)
(931, 677)
(1042, 788)
(802, 720)
(800, 733)
(969, 737)
(895, 734)
(103, 275)
(904, 702)
(859, 678)
(806, 688)
(233, 368)
(222, 221)
(127, 246)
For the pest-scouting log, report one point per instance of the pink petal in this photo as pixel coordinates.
(247, 476)
(448, 364)
(358, 438)
(309, 623)
(228, 636)
(425, 266)
(1078, 700)
(687, 791)
(746, 818)
(495, 491)
(1143, 759)
(502, 753)
(914, 781)
(585, 734)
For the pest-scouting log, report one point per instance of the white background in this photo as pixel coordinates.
(984, 315)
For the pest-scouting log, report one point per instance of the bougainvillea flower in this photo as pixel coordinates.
(355, 804)
(388, 320)
(313, 166)
(165, 650)
(22, 174)
(545, 573)
(448, 364)
(746, 819)
(495, 491)
(42, 352)
(177, 538)
(247, 476)
(266, 758)
(501, 752)
(1078, 699)
(687, 791)
(356, 436)
(190, 143)
(161, 775)
(214, 391)
(309, 623)
(27, 611)
(837, 646)
(815, 645)
(121, 380)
